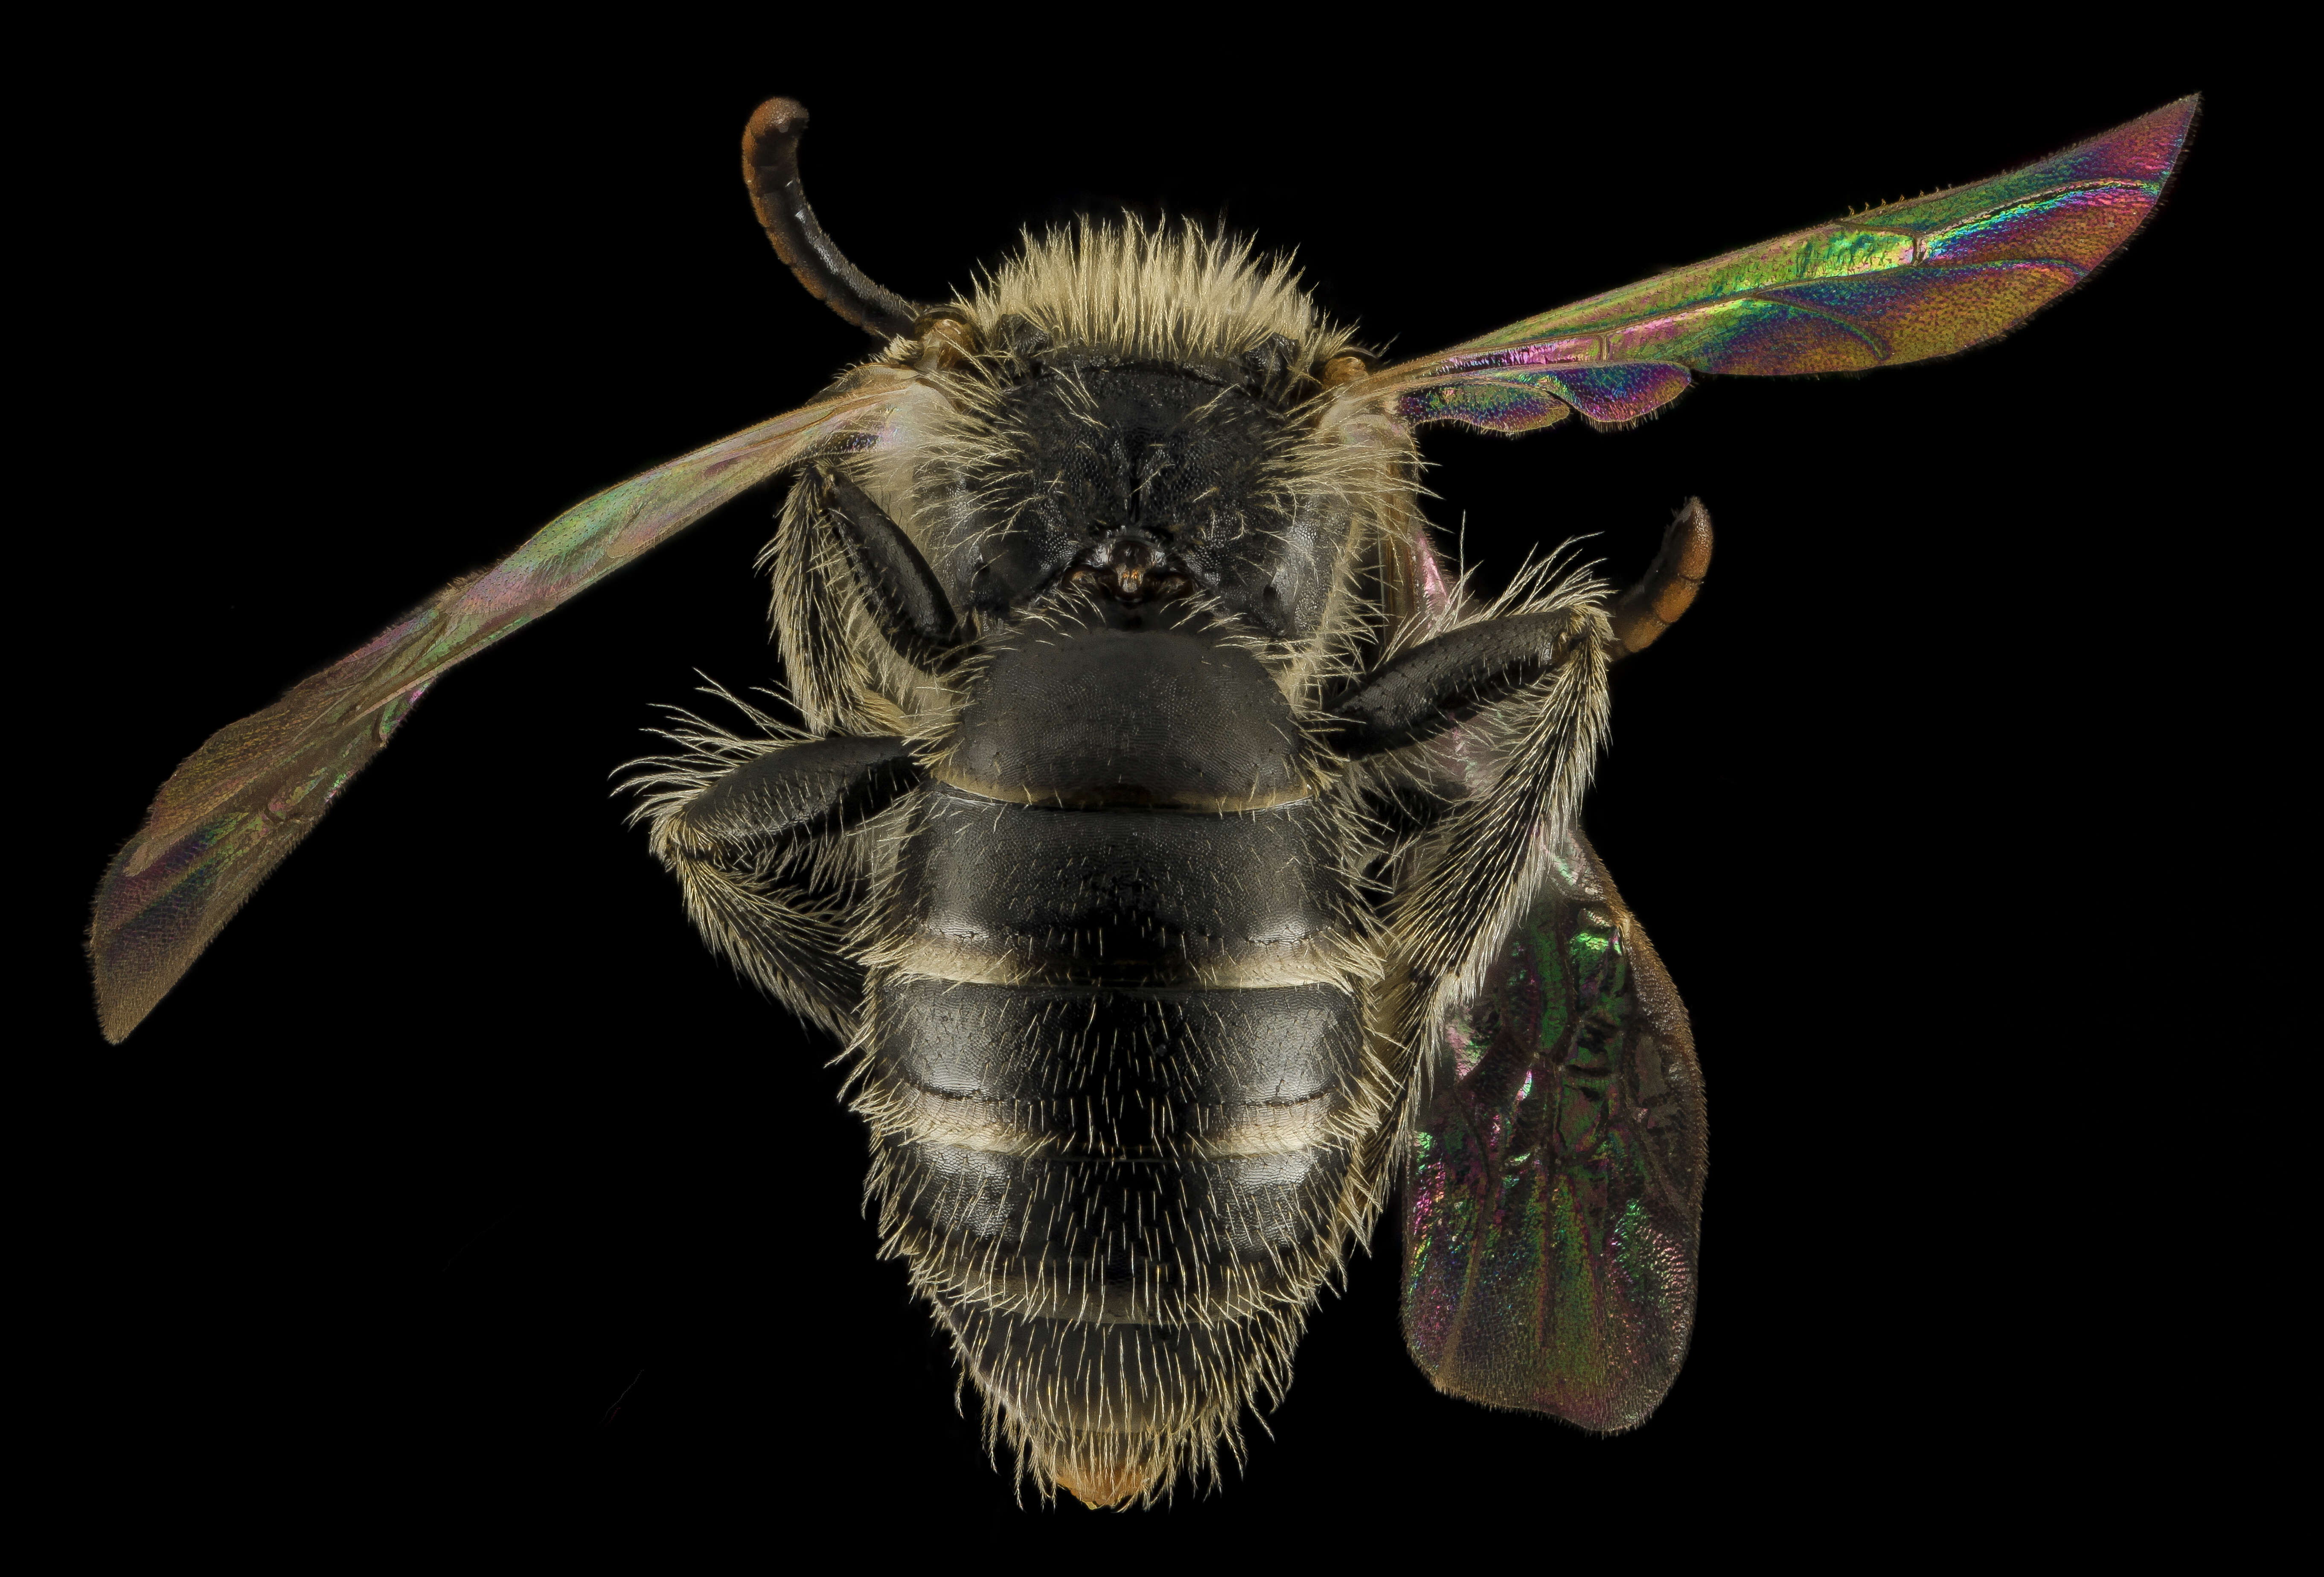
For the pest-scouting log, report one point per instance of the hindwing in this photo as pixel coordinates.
(1553, 1175)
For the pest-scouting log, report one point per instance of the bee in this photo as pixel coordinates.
(1188, 863)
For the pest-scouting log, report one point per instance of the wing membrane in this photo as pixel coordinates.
(1553, 1186)
(1913, 280)
(238, 806)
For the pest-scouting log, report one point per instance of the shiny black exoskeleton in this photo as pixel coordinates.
(1114, 1041)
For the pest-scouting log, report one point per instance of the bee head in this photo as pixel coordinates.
(1138, 483)
(1133, 422)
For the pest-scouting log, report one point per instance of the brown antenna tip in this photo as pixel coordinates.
(770, 169)
(1667, 589)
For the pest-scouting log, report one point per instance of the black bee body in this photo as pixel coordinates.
(1112, 1028)
(1086, 851)
(1109, 1067)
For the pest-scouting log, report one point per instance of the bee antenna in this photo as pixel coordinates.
(770, 169)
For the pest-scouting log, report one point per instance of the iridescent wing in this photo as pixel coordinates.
(1553, 1180)
(1901, 283)
(234, 807)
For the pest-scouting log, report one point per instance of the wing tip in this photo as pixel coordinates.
(2187, 109)
(1615, 1404)
(122, 1005)
(119, 1006)
(140, 943)
(2153, 144)
(2188, 112)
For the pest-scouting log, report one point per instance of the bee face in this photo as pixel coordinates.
(1139, 483)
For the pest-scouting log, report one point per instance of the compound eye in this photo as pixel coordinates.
(1020, 337)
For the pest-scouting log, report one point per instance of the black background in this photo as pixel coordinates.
(458, 1174)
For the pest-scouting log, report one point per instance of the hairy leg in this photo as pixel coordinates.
(769, 877)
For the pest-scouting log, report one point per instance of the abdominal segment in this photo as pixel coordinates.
(1117, 1077)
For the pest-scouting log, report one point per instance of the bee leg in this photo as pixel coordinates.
(793, 792)
(1667, 588)
(759, 854)
(906, 599)
(1432, 687)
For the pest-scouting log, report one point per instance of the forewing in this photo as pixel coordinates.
(236, 806)
(1924, 278)
(1553, 1182)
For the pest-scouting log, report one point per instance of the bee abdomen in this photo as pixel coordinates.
(1003, 893)
(1113, 1154)
(1087, 717)
(1121, 1200)
(1115, 1073)
(1113, 1391)
(1115, 1053)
